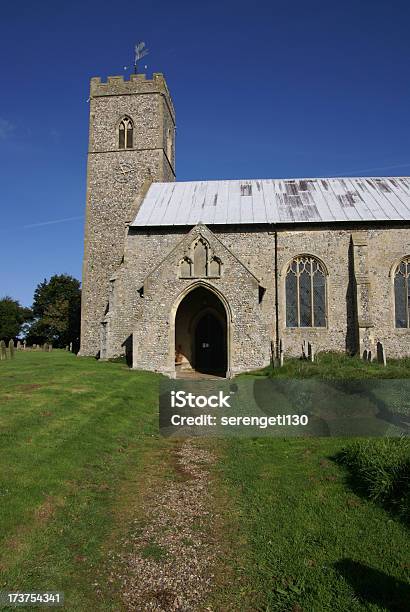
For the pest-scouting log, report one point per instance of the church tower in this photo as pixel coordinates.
(131, 138)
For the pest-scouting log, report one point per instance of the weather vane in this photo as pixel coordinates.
(140, 52)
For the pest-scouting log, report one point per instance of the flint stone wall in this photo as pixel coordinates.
(114, 180)
(148, 319)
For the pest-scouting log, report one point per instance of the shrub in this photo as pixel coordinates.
(381, 468)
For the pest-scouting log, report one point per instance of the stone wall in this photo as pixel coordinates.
(147, 288)
(114, 179)
(131, 280)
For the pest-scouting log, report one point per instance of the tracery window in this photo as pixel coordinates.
(125, 133)
(402, 293)
(305, 293)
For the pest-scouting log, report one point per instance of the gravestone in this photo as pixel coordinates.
(281, 353)
(381, 354)
(3, 350)
(11, 348)
(311, 352)
(367, 355)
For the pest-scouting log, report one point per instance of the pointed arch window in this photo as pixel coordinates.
(305, 293)
(402, 293)
(126, 133)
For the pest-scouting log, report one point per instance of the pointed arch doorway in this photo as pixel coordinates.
(201, 334)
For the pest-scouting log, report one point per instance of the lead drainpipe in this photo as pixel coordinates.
(276, 298)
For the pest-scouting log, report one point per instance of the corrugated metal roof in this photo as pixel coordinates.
(276, 201)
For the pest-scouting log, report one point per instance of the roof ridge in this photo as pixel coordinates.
(303, 178)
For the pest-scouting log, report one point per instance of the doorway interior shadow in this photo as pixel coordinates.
(201, 333)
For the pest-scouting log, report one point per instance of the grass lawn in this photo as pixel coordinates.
(79, 446)
(329, 365)
(309, 542)
(76, 438)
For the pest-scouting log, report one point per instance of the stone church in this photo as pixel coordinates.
(214, 276)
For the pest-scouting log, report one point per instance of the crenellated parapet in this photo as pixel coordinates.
(136, 84)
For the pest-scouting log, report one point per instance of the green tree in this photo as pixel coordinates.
(56, 308)
(13, 316)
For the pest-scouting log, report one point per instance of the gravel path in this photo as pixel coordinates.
(171, 559)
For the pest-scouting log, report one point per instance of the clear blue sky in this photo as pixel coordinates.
(261, 89)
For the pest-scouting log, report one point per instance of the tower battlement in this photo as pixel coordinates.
(136, 84)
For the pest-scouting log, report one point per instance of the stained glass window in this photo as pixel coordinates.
(305, 293)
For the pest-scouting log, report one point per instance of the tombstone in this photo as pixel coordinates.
(11, 348)
(381, 354)
(34, 346)
(3, 350)
(18, 345)
(367, 355)
(71, 347)
(311, 352)
(50, 348)
(67, 348)
(24, 345)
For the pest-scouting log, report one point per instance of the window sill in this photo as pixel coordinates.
(307, 329)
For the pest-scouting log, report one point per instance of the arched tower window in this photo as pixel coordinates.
(402, 293)
(305, 293)
(125, 133)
